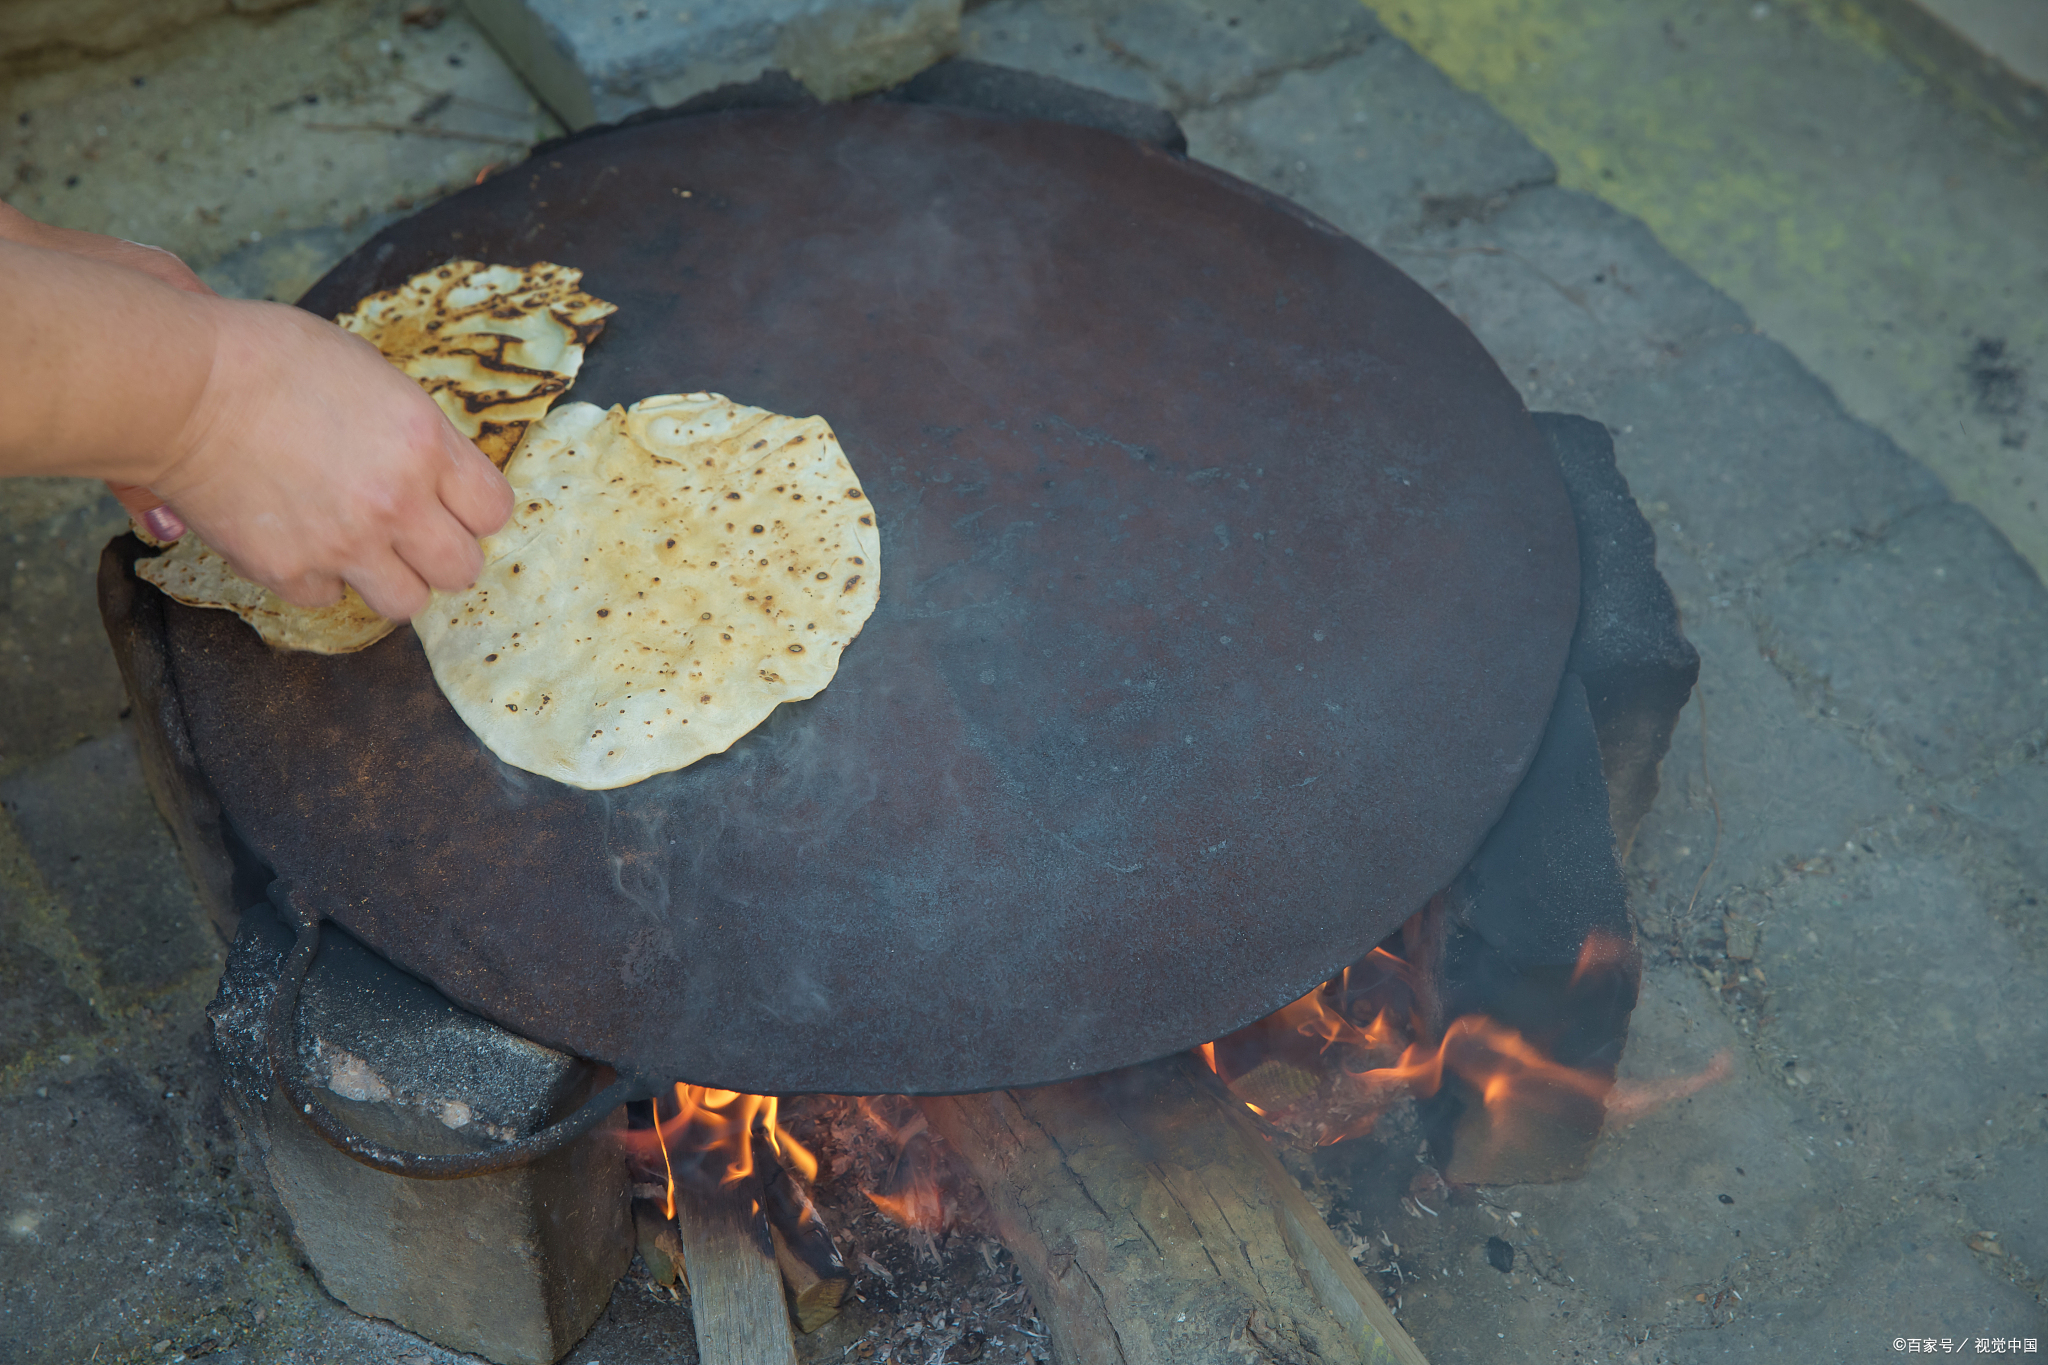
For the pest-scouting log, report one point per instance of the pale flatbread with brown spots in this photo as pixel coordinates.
(672, 572)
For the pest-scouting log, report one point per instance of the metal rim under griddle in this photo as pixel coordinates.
(1225, 589)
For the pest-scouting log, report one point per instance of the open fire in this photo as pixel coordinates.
(1321, 1070)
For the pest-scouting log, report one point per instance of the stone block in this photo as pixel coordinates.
(600, 62)
(1209, 50)
(1935, 637)
(1752, 459)
(1063, 42)
(1628, 651)
(513, 1266)
(87, 820)
(1373, 142)
(1541, 899)
(1025, 94)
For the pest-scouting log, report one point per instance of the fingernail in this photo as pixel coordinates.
(163, 523)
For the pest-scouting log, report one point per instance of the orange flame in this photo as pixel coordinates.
(716, 1127)
(916, 1199)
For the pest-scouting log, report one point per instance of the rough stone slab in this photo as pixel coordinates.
(56, 673)
(598, 61)
(1628, 651)
(1645, 1228)
(1948, 1014)
(37, 1005)
(98, 841)
(513, 1266)
(1371, 142)
(1209, 50)
(1570, 295)
(1024, 94)
(1754, 458)
(94, 1187)
(1788, 788)
(1064, 41)
(2012, 806)
(1936, 638)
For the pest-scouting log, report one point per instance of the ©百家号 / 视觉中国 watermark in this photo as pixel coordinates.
(1983, 1346)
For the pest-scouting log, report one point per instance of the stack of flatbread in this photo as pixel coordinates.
(494, 345)
(671, 573)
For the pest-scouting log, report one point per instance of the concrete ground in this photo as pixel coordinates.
(1842, 883)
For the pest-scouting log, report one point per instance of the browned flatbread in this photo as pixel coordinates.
(493, 344)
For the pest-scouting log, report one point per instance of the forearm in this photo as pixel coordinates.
(101, 367)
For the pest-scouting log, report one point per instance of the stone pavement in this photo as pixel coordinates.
(1842, 883)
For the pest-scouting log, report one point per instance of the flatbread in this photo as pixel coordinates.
(493, 344)
(199, 577)
(672, 572)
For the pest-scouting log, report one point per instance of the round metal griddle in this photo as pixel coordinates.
(1225, 589)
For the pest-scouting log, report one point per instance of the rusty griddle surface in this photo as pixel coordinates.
(1225, 589)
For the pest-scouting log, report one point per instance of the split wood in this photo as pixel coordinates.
(735, 1287)
(1154, 1226)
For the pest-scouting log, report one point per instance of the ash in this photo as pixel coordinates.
(946, 1291)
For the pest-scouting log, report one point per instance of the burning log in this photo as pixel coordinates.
(1154, 1226)
(735, 1286)
(811, 1266)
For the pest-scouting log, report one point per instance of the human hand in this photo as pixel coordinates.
(310, 462)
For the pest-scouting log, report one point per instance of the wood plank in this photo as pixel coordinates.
(1154, 1226)
(735, 1288)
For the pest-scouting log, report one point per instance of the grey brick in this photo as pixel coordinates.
(1787, 788)
(1208, 50)
(1060, 42)
(1752, 458)
(1936, 638)
(1570, 295)
(98, 841)
(1368, 142)
(596, 61)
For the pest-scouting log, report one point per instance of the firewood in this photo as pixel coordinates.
(811, 1266)
(1154, 1226)
(735, 1288)
(661, 1250)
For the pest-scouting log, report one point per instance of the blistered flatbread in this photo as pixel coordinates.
(494, 344)
(199, 577)
(671, 573)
